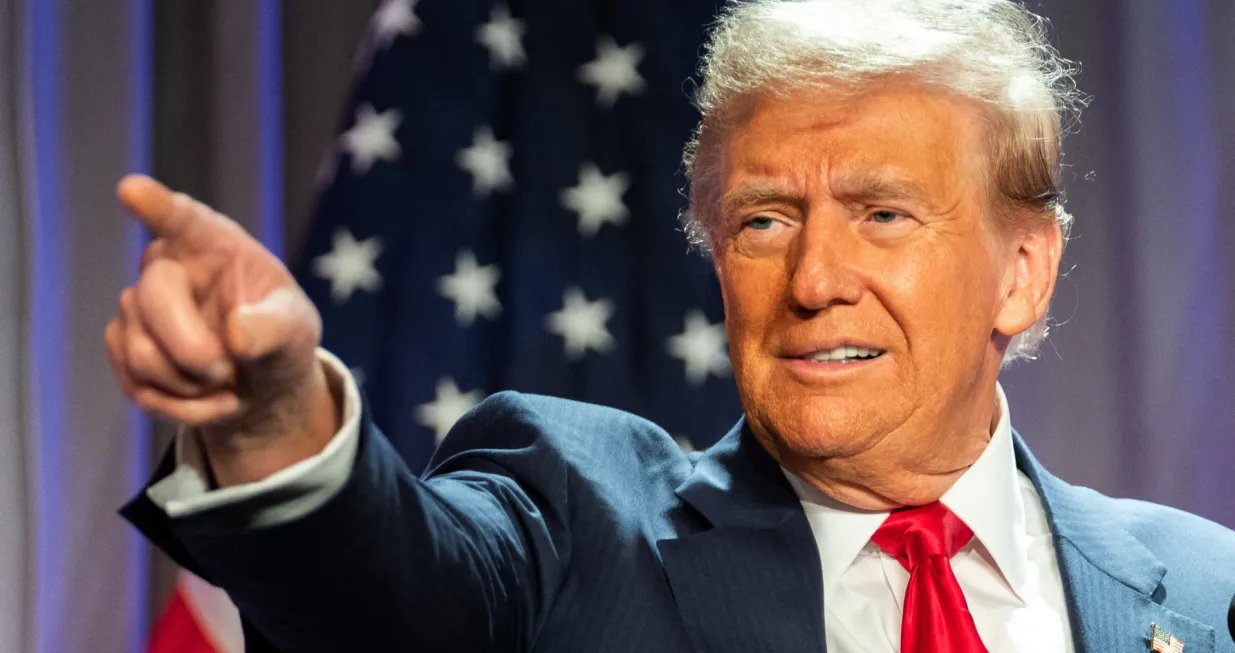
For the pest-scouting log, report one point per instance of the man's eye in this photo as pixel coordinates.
(761, 223)
(885, 217)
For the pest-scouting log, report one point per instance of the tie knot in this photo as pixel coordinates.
(912, 535)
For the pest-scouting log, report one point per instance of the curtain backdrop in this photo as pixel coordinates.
(74, 114)
(236, 102)
(1133, 393)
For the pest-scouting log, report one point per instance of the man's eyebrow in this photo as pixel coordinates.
(758, 193)
(875, 186)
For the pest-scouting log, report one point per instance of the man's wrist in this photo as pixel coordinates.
(312, 418)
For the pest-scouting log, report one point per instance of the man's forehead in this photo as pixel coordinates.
(888, 112)
(887, 147)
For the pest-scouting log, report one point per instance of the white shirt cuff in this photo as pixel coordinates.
(304, 486)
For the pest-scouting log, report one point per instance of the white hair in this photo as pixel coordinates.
(993, 51)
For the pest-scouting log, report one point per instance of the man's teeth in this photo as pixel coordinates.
(845, 354)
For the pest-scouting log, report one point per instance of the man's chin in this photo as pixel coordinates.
(811, 438)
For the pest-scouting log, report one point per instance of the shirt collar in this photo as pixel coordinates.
(986, 497)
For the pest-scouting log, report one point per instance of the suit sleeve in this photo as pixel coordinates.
(466, 558)
(284, 495)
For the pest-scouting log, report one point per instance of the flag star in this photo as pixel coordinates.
(394, 19)
(488, 160)
(702, 347)
(471, 287)
(372, 138)
(582, 324)
(597, 199)
(503, 36)
(446, 408)
(350, 265)
(614, 71)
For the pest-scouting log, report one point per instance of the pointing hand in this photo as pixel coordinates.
(216, 334)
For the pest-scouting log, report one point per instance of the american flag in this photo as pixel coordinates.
(1164, 642)
(500, 212)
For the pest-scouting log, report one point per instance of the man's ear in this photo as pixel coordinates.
(1030, 281)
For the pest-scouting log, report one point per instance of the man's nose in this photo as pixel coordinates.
(824, 265)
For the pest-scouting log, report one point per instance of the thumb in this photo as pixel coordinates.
(284, 321)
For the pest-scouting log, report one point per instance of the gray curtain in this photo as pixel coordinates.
(74, 114)
(1133, 393)
(236, 102)
(14, 516)
(195, 92)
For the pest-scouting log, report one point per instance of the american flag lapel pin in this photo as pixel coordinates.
(1162, 641)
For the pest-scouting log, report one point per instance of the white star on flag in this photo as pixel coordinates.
(488, 160)
(503, 36)
(702, 347)
(597, 199)
(471, 288)
(372, 138)
(614, 71)
(394, 19)
(582, 324)
(446, 408)
(350, 265)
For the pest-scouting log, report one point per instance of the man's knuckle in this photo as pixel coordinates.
(128, 300)
(153, 277)
(111, 334)
(145, 357)
(145, 400)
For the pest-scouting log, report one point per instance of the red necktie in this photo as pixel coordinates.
(936, 617)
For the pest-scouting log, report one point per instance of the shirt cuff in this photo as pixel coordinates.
(300, 488)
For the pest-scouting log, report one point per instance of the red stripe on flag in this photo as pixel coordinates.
(178, 631)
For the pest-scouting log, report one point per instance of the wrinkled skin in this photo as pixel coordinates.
(872, 222)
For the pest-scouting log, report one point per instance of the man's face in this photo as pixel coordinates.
(862, 227)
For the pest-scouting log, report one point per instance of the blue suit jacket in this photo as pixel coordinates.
(549, 525)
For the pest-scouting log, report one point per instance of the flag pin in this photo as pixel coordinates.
(1162, 641)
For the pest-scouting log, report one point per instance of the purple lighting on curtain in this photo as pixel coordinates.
(1199, 218)
(141, 115)
(48, 320)
(270, 96)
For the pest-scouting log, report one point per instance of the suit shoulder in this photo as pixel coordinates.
(556, 411)
(580, 435)
(1157, 523)
(1189, 544)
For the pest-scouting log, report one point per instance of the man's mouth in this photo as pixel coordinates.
(844, 354)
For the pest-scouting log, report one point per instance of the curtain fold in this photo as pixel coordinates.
(1133, 394)
(14, 509)
(77, 80)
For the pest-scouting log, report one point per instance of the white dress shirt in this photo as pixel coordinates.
(1008, 573)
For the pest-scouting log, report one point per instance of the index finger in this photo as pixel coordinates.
(173, 217)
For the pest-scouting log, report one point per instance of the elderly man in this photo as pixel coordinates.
(877, 183)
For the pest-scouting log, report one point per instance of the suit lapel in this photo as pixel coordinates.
(752, 582)
(1111, 580)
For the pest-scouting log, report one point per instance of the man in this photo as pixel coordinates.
(877, 183)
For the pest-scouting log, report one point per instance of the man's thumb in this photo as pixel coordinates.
(282, 320)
